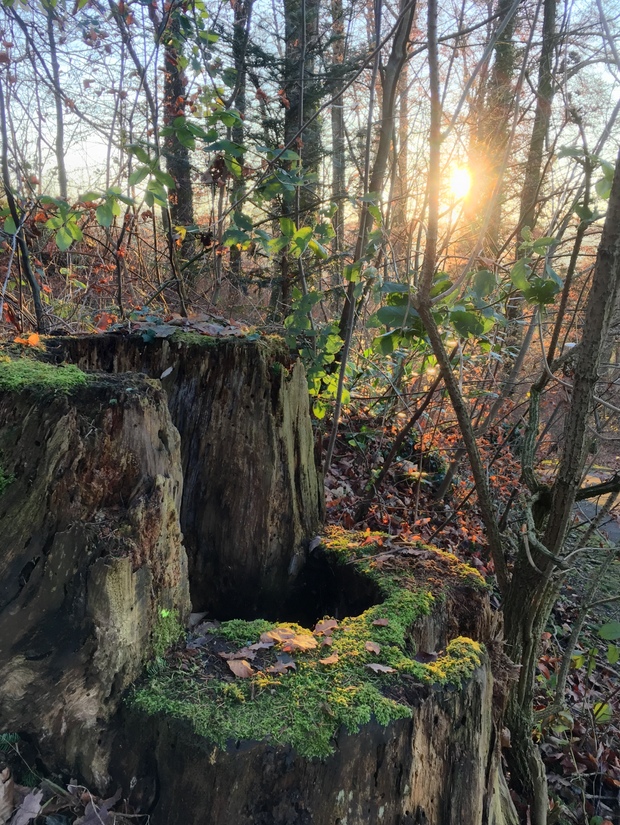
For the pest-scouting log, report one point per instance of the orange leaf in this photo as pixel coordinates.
(33, 340)
(329, 660)
(301, 642)
(372, 647)
(278, 634)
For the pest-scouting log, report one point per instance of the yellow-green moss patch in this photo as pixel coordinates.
(305, 707)
(393, 564)
(27, 373)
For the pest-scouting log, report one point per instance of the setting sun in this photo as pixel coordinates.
(460, 182)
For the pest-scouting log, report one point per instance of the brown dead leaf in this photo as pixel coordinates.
(278, 634)
(261, 645)
(301, 642)
(329, 660)
(327, 640)
(376, 668)
(240, 668)
(244, 653)
(373, 647)
(381, 622)
(325, 627)
(277, 668)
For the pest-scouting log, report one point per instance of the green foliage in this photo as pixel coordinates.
(8, 741)
(320, 345)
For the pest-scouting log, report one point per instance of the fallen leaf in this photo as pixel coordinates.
(278, 634)
(325, 627)
(284, 663)
(301, 642)
(381, 622)
(424, 657)
(277, 668)
(261, 645)
(376, 668)
(327, 640)
(372, 647)
(244, 653)
(194, 618)
(329, 660)
(29, 809)
(165, 374)
(240, 668)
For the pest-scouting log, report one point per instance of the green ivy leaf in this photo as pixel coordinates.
(541, 244)
(138, 175)
(520, 272)
(610, 631)
(484, 283)
(287, 226)
(105, 214)
(63, 239)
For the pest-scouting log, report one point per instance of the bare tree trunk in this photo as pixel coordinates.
(59, 145)
(542, 116)
(181, 199)
(492, 132)
(241, 30)
(338, 138)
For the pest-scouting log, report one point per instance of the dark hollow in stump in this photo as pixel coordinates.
(252, 494)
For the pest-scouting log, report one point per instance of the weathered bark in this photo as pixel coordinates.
(91, 555)
(252, 496)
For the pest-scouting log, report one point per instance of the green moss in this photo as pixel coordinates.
(241, 632)
(167, 631)
(27, 373)
(306, 707)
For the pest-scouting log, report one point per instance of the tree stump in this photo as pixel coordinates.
(252, 493)
(384, 712)
(90, 486)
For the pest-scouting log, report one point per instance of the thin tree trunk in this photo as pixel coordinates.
(542, 117)
(59, 145)
(338, 139)
(181, 199)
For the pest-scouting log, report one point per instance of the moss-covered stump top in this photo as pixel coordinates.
(297, 686)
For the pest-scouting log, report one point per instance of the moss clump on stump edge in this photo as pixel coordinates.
(306, 706)
(26, 373)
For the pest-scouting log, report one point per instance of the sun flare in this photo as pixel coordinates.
(460, 182)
